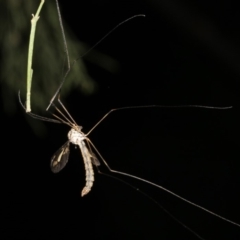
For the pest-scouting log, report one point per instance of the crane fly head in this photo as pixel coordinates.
(75, 135)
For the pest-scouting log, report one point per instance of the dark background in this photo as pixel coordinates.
(182, 53)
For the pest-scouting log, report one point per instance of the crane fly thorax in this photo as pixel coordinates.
(76, 136)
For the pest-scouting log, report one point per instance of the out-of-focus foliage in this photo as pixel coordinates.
(49, 59)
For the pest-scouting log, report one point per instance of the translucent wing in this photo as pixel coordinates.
(94, 159)
(60, 158)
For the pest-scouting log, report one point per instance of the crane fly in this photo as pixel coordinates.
(77, 137)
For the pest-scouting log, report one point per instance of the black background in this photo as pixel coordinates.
(182, 53)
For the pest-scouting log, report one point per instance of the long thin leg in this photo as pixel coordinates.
(35, 116)
(164, 189)
(67, 55)
(65, 109)
(157, 203)
(157, 106)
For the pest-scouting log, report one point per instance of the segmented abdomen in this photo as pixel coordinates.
(88, 168)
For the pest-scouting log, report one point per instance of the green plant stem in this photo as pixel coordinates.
(30, 55)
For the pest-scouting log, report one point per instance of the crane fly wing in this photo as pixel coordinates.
(60, 158)
(94, 159)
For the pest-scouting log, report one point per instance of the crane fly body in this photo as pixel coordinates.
(76, 137)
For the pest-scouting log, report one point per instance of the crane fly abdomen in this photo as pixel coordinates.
(77, 138)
